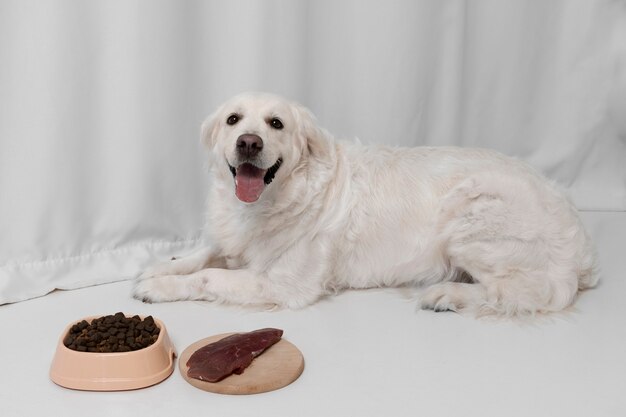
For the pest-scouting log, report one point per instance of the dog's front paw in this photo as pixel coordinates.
(151, 290)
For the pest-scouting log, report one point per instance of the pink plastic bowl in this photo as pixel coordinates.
(116, 371)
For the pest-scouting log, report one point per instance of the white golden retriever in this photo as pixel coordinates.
(295, 215)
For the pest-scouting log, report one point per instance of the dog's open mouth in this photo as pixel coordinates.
(250, 180)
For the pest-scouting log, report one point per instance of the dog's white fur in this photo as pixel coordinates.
(476, 230)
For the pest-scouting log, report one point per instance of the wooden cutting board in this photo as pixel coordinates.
(277, 367)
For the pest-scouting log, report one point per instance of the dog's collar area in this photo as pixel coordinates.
(269, 175)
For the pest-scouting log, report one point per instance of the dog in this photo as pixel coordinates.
(294, 215)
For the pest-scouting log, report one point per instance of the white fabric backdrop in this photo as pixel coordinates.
(101, 171)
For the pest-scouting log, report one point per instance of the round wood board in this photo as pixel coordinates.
(277, 367)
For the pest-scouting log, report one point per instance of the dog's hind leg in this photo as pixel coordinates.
(519, 242)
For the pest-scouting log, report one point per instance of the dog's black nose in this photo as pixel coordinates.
(249, 145)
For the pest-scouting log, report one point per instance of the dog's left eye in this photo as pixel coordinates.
(276, 123)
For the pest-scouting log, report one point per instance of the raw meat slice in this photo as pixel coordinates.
(231, 354)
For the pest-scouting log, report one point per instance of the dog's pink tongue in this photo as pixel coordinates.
(249, 183)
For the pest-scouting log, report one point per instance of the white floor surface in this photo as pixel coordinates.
(367, 353)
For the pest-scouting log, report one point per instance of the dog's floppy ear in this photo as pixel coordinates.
(317, 143)
(209, 130)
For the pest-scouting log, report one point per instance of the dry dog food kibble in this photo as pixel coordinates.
(115, 333)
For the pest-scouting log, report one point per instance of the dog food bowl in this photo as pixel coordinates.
(116, 371)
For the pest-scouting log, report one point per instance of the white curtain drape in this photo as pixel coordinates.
(101, 170)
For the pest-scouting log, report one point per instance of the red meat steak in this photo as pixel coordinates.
(231, 354)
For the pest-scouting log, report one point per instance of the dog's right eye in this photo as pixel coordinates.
(232, 119)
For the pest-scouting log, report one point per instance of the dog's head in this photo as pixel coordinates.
(259, 139)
